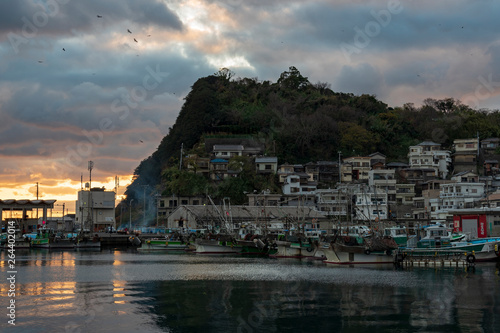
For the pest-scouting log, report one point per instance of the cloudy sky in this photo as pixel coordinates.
(104, 80)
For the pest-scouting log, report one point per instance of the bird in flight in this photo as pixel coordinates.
(40, 61)
(141, 141)
(99, 16)
(129, 31)
(64, 49)
(135, 40)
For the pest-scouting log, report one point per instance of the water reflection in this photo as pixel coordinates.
(109, 291)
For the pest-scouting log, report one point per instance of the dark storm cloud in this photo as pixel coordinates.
(61, 16)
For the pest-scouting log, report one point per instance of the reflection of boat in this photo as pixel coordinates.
(47, 238)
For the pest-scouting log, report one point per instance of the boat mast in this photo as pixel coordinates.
(91, 211)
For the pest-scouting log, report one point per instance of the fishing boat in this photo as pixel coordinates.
(438, 235)
(399, 234)
(87, 241)
(216, 244)
(15, 241)
(49, 239)
(297, 246)
(167, 243)
(347, 250)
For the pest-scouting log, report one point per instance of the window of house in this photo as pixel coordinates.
(496, 222)
(196, 202)
(268, 167)
(162, 203)
(474, 190)
(184, 202)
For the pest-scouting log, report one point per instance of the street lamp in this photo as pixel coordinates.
(130, 217)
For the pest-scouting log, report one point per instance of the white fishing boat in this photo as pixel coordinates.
(346, 250)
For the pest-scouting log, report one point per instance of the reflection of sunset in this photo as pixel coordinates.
(50, 288)
(119, 286)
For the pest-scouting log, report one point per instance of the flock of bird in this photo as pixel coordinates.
(100, 16)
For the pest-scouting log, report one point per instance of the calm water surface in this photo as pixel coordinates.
(126, 291)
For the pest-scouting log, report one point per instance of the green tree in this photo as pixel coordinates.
(183, 182)
(292, 79)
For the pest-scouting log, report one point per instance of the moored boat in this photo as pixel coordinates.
(48, 238)
(165, 244)
(348, 250)
(216, 244)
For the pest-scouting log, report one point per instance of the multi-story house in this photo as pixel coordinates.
(428, 155)
(371, 206)
(346, 172)
(460, 193)
(298, 184)
(165, 205)
(491, 167)
(284, 170)
(405, 194)
(465, 155)
(381, 180)
(490, 145)
(377, 160)
(360, 167)
(333, 202)
(219, 169)
(198, 165)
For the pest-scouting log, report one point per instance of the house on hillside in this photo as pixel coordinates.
(465, 155)
(266, 165)
(428, 155)
(360, 167)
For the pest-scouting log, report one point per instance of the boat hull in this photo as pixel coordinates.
(212, 246)
(164, 245)
(355, 255)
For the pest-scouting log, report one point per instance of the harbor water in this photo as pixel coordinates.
(128, 291)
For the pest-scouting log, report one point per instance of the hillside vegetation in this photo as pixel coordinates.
(298, 122)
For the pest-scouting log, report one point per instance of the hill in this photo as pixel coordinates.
(298, 121)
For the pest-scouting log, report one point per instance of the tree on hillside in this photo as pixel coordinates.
(292, 79)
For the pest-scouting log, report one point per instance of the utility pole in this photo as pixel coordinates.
(180, 162)
(144, 208)
(340, 168)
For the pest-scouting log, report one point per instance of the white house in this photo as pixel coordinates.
(428, 154)
(371, 206)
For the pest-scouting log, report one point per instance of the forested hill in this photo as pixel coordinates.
(299, 121)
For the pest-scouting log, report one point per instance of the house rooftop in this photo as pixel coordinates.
(428, 143)
(266, 159)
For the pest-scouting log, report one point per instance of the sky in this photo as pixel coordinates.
(103, 81)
